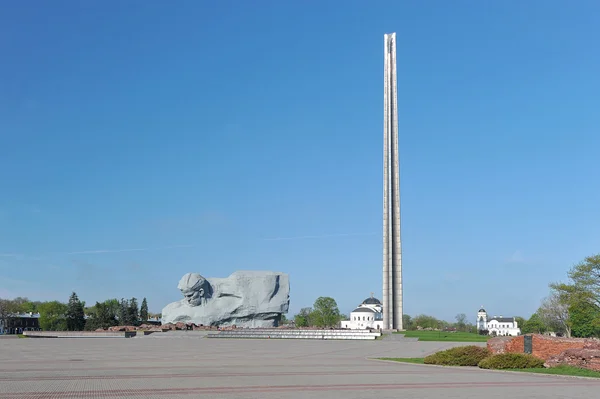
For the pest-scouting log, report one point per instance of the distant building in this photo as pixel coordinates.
(18, 323)
(497, 325)
(153, 320)
(368, 315)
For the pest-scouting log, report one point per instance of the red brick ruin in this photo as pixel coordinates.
(579, 352)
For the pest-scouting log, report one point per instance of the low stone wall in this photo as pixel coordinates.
(158, 328)
(583, 358)
(78, 334)
(499, 344)
(543, 346)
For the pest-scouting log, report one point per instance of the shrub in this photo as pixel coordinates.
(511, 361)
(459, 356)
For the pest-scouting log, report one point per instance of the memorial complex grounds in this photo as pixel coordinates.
(185, 364)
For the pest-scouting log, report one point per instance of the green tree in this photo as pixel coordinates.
(425, 321)
(75, 314)
(585, 281)
(7, 310)
(124, 314)
(581, 295)
(471, 328)
(535, 325)
(133, 312)
(554, 311)
(52, 316)
(461, 322)
(585, 319)
(144, 310)
(325, 312)
(303, 318)
(21, 303)
(24, 305)
(407, 322)
(520, 321)
(102, 315)
(113, 305)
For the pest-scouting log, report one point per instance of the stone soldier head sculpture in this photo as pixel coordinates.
(195, 288)
(245, 298)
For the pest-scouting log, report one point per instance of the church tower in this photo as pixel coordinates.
(481, 319)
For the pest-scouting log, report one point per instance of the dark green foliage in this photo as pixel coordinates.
(585, 281)
(460, 356)
(535, 325)
(407, 322)
(144, 310)
(123, 314)
(461, 322)
(520, 321)
(75, 315)
(24, 305)
(511, 361)
(325, 312)
(102, 315)
(52, 316)
(302, 319)
(7, 309)
(425, 321)
(585, 319)
(134, 312)
(128, 313)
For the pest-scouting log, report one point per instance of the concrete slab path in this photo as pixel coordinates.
(190, 366)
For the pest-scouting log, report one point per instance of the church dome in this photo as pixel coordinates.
(371, 301)
(363, 310)
(482, 310)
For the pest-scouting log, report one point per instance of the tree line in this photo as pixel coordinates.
(75, 316)
(572, 308)
(324, 314)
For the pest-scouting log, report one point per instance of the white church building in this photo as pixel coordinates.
(497, 325)
(368, 315)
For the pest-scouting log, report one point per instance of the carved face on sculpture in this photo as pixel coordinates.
(195, 289)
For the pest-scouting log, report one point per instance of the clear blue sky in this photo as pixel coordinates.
(141, 140)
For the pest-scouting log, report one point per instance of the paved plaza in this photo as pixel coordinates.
(188, 365)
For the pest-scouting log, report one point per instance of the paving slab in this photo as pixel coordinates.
(189, 366)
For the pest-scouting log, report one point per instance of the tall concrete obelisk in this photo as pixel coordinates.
(392, 248)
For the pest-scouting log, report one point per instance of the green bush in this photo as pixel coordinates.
(511, 361)
(459, 356)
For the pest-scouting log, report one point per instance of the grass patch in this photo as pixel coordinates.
(414, 360)
(445, 336)
(562, 370)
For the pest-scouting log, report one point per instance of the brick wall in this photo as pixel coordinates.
(543, 346)
(498, 345)
(516, 345)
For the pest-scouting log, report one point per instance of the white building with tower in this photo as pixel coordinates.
(497, 325)
(368, 315)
